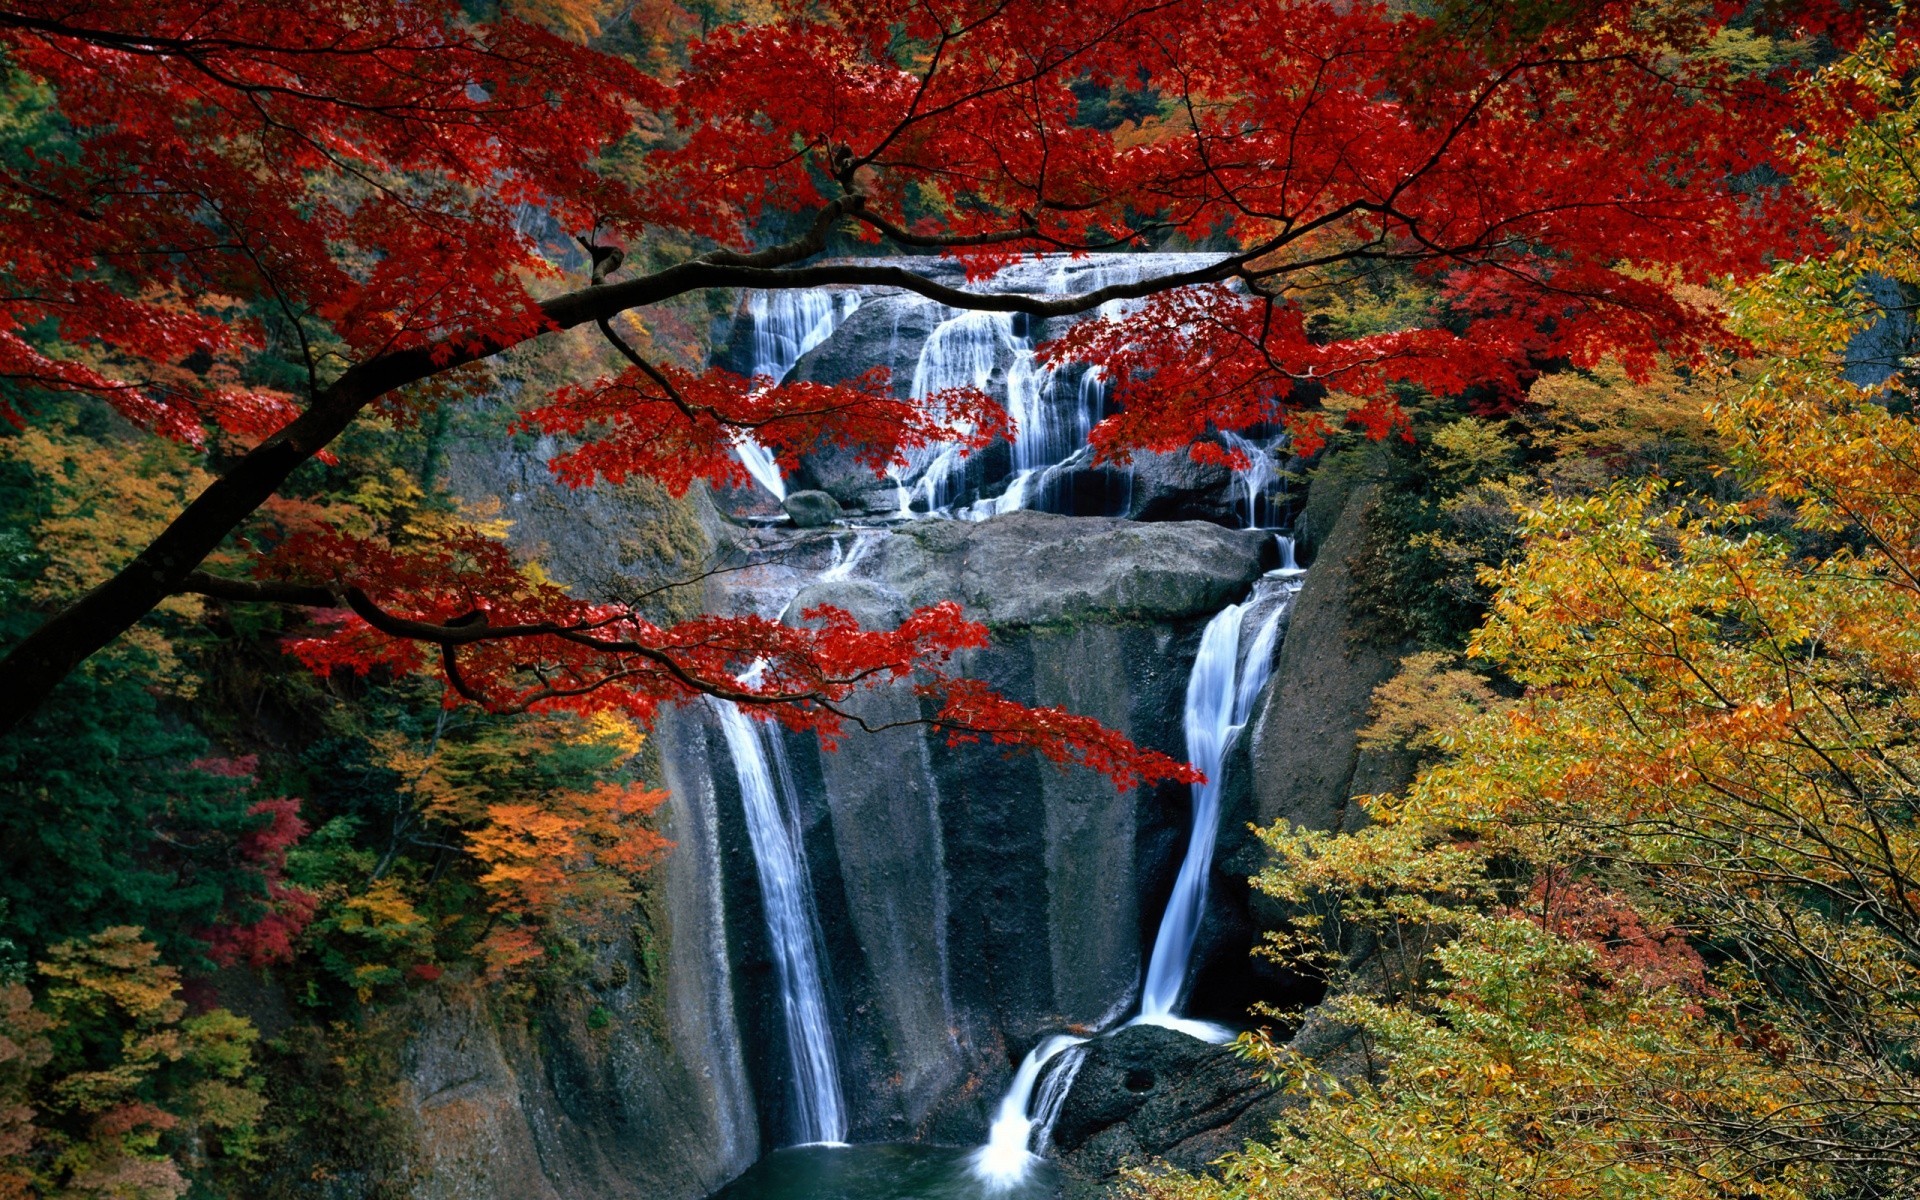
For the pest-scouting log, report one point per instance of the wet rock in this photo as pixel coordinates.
(811, 510)
(1029, 568)
(1145, 1092)
(1154, 487)
(1173, 487)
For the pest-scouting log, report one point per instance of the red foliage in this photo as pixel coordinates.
(636, 426)
(360, 163)
(1633, 950)
(270, 939)
(366, 170)
(242, 767)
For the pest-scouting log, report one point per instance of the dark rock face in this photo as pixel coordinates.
(1144, 1093)
(1172, 487)
(1153, 487)
(811, 510)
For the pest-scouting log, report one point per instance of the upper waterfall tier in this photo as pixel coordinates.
(832, 335)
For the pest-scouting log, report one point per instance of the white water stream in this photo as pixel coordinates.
(1221, 692)
(773, 826)
(787, 324)
(1005, 1160)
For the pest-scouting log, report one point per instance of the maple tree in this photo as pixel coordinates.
(339, 187)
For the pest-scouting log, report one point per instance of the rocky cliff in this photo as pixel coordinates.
(969, 903)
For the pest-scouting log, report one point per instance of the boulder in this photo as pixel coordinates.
(1173, 487)
(811, 510)
(1145, 1093)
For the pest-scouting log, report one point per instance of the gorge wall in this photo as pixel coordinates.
(969, 903)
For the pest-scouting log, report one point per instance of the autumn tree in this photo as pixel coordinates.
(247, 226)
(1647, 927)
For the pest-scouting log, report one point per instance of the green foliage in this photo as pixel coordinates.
(1451, 502)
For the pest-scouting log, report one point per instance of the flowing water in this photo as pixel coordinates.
(1253, 484)
(787, 324)
(1221, 691)
(773, 826)
(995, 353)
(1006, 1161)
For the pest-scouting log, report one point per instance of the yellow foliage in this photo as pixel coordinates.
(105, 501)
(104, 1089)
(1430, 696)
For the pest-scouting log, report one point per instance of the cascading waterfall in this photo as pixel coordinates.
(1221, 692)
(962, 352)
(1220, 696)
(1005, 1160)
(966, 350)
(988, 351)
(786, 324)
(773, 827)
(846, 558)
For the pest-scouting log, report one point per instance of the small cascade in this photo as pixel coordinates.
(1054, 1088)
(1221, 692)
(1040, 438)
(846, 557)
(1287, 561)
(964, 351)
(1005, 1160)
(1250, 498)
(786, 324)
(1012, 500)
(773, 827)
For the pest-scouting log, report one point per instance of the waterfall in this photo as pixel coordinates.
(962, 352)
(1220, 696)
(786, 892)
(786, 324)
(969, 348)
(1221, 692)
(1250, 484)
(1287, 561)
(1005, 1160)
(1054, 1089)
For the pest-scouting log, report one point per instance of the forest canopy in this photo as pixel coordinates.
(1583, 283)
